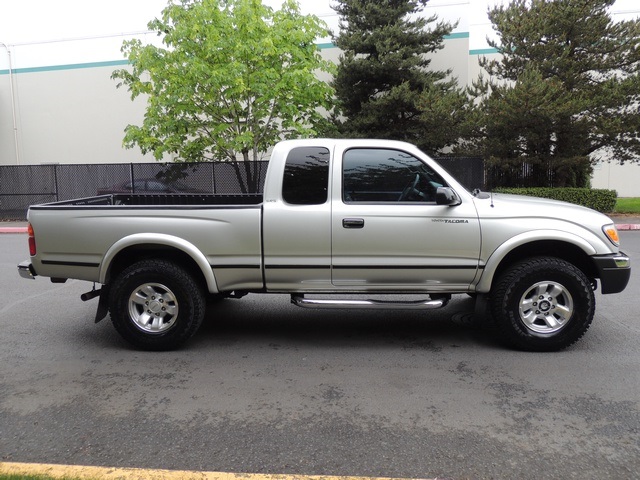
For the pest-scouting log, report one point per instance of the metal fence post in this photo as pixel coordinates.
(213, 176)
(55, 182)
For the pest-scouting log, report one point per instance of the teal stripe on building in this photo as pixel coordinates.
(73, 66)
(120, 63)
(483, 51)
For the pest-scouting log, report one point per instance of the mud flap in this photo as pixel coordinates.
(103, 303)
(481, 306)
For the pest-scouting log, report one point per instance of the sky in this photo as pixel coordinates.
(56, 32)
(78, 18)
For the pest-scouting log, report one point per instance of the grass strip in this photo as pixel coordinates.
(628, 205)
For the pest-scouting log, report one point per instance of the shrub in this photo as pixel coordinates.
(598, 199)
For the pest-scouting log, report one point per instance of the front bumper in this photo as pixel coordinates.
(25, 269)
(614, 272)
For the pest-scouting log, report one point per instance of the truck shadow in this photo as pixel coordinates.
(276, 322)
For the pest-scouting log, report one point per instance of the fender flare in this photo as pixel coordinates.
(164, 240)
(499, 254)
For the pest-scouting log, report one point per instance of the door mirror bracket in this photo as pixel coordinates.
(447, 196)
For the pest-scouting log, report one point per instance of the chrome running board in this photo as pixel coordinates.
(300, 301)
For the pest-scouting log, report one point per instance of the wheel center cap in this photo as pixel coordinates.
(545, 306)
(155, 306)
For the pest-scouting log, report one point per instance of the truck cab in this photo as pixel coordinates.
(366, 216)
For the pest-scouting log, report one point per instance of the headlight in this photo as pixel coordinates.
(612, 234)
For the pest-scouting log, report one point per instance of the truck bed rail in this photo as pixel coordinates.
(172, 199)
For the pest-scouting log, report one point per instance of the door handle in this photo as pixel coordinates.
(353, 222)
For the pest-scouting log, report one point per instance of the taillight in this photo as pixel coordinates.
(32, 240)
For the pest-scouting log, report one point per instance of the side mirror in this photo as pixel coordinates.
(447, 196)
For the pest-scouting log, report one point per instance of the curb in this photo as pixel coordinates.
(13, 229)
(628, 226)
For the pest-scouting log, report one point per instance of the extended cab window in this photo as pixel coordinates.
(385, 175)
(306, 176)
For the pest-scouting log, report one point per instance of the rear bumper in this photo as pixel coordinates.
(25, 269)
(614, 272)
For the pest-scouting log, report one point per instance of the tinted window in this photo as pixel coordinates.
(306, 176)
(381, 175)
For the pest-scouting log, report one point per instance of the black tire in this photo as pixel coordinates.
(156, 305)
(542, 304)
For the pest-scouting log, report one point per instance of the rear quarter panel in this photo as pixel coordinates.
(72, 241)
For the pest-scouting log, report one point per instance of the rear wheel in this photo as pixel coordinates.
(542, 304)
(156, 305)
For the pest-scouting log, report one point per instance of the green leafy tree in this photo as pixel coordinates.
(384, 86)
(565, 91)
(234, 77)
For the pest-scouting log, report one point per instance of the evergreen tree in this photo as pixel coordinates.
(566, 90)
(383, 85)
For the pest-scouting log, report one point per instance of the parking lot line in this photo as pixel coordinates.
(108, 473)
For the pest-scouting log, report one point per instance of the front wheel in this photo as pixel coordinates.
(542, 304)
(156, 305)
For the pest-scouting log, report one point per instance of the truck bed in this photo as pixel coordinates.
(223, 231)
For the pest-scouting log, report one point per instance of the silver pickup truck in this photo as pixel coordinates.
(338, 219)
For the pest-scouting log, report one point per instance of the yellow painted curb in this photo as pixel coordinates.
(107, 473)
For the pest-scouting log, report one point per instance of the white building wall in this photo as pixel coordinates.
(624, 179)
(68, 109)
(72, 115)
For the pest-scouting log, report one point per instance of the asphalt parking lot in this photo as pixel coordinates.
(266, 387)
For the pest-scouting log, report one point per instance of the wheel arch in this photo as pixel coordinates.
(572, 249)
(133, 248)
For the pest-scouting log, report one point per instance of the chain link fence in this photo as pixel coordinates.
(22, 186)
(25, 185)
